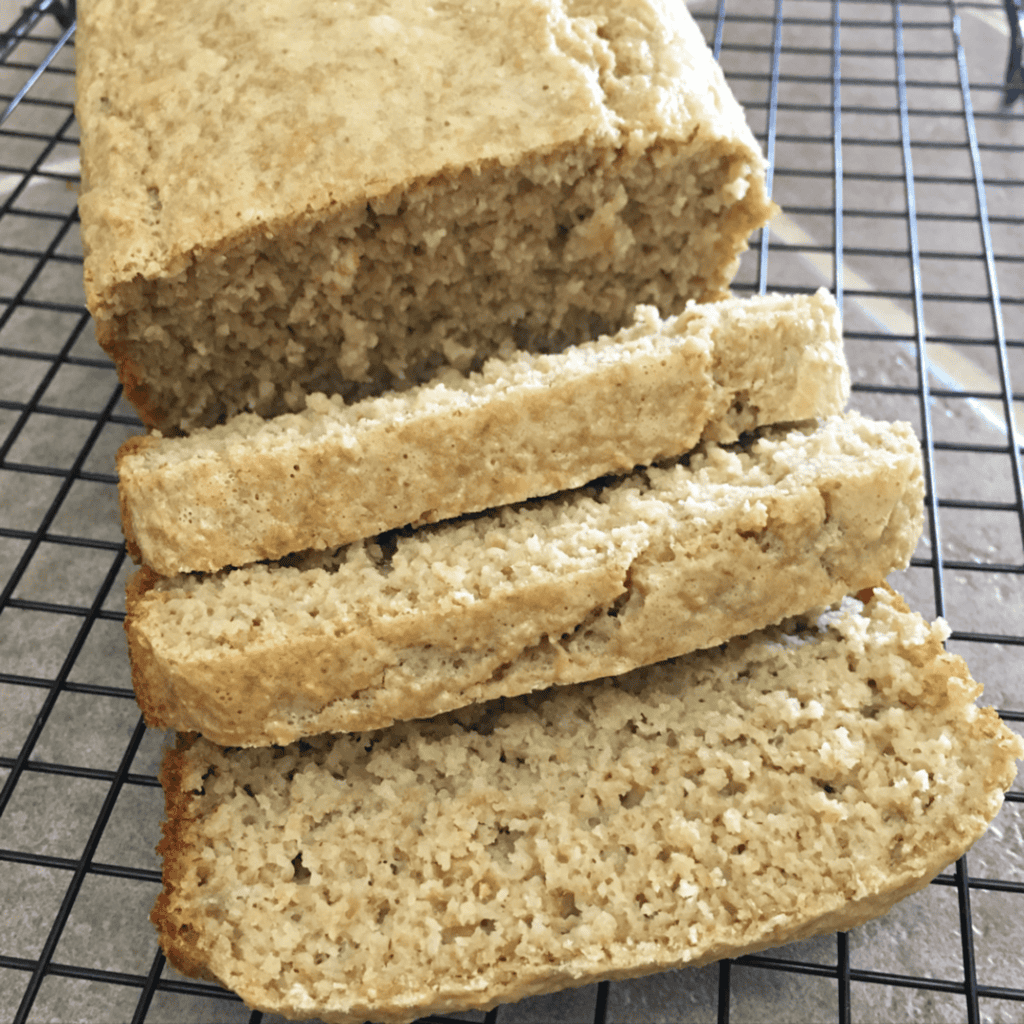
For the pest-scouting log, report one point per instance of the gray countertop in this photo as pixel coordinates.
(80, 812)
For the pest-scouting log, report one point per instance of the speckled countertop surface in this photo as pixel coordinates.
(81, 808)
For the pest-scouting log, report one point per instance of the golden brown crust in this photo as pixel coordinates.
(133, 446)
(177, 937)
(137, 587)
(125, 359)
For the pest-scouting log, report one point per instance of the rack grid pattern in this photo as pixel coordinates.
(895, 134)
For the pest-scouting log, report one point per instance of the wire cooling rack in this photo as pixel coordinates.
(896, 140)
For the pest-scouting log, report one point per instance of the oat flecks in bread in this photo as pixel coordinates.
(275, 205)
(796, 782)
(257, 489)
(581, 585)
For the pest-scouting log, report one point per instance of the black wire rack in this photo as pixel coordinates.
(895, 134)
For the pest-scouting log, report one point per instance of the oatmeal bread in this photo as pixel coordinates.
(795, 782)
(301, 196)
(584, 584)
(257, 489)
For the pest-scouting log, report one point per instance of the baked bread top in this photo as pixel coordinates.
(287, 198)
(795, 782)
(203, 121)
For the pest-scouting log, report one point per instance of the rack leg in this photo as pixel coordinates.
(1014, 72)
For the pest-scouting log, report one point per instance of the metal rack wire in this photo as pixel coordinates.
(896, 141)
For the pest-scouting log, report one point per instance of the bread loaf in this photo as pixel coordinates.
(254, 489)
(796, 782)
(584, 584)
(301, 196)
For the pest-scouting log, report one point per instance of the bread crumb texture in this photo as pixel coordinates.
(791, 783)
(255, 489)
(584, 584)
(301, 196)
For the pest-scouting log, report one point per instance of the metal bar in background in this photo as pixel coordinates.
(1014, 438)
(34, 77)
(770, 138)
(837, 156)
(1015, 62)
(28, 19)
(920, 334)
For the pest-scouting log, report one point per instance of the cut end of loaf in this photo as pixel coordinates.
(575, 160)
(503, 273)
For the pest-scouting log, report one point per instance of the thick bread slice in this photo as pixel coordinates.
(796, 782)
(581, 585)
(255, 489)
(302, 196)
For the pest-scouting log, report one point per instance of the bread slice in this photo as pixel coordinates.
(795, 782)
(257, 489)
(303, 196)
(581, 585)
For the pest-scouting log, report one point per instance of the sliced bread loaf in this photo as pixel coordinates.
(584, 584)
(257, 489)
(302, 196)
(795, 782)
